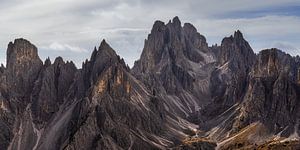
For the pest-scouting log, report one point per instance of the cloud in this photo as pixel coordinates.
(287, 47)
(77, 26)
(64, 47)
(284, 45)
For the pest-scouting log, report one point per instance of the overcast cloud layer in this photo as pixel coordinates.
(71, 28)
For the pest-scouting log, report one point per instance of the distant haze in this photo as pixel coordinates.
(71, 29)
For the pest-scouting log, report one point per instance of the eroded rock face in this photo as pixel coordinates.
(176, 63)
(229, 82)
(32, 91)
(272, 95)
(167, 42)
(23, 65)
(235, 60)
(50, 88)
(101, 102)
(236, 50)
(17, 80)
(108, 107)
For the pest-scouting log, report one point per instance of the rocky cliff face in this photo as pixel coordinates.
(176, 63)
(101, 102)
(17, 81)
(235, 60)
(273, 92)
(22, 69)
(50, 88)
(218, 88)
(229, 76)
(180, 94)
(272, 99)
(115, 112)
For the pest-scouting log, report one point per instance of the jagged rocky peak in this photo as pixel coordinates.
(105, 65)
(237, 51)
(100, 60)
(175, 24)
(47, 62)
(170, 42)
(22, 60)
(176, 60)
(229, 81)
(2, 68)
(59, 60)
(187, 32)
(235, 60)
(100, 55)
(198, 40)
(105, 46)
(21, 52)
(189, 28)
(157, 27)
(64, 65)
(238, 35)
(104, 51)
(50, 88)
(176, 21)
(23, 66)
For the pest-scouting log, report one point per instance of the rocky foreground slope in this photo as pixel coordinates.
(181, 94)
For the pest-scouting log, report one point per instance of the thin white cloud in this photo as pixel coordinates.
(287, 46)
(261, 26)
(112, 30)
(284, 45)
(64, 47)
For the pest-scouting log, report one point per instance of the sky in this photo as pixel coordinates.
(72, 28)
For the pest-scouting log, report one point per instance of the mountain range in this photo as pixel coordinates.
(181, 94)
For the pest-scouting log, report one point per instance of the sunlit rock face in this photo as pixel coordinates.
(180, 94)
(22, 69)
